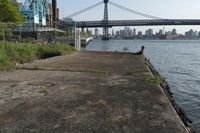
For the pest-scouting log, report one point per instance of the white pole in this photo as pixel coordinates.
(79, 40)
(75, 37)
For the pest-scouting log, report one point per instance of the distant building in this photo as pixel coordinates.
(199, 34)
(171, 37)
(36, 15)
(196, 33)
(149, 33)
(168, 33)
(190, 33)
(134, 32)
(117, 33)
(50, 17)
(160, 32)
(53, 14)
(140, 35)
(174, 32)
(121, 33)
(126, 32)
(96, 32)
(113, 33)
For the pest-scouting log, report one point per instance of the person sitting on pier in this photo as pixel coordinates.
(141, 51)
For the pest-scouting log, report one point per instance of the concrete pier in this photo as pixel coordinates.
(86, 92)
(84, 41)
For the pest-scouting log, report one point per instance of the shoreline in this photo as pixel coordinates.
(167, 90)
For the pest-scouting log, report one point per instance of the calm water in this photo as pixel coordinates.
(178, 61)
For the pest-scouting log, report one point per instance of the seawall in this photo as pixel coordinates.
(167, 90)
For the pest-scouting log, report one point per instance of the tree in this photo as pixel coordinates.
(9, 12)
(9, 17)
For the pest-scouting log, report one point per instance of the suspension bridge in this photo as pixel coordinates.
(39, 13)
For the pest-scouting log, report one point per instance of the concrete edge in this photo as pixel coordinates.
(167, 91)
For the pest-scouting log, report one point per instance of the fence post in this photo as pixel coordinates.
(20, 33)
(75, 37)
(79, 40)
(4, 35)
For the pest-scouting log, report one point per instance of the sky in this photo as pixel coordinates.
(174, 9)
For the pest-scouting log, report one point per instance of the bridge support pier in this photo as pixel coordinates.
(82, 29)
(105, 21)
(105, 33)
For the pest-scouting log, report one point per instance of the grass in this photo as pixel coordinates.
(11, 53)
(154, 80)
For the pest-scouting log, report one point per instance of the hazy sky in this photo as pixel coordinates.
(160, 8)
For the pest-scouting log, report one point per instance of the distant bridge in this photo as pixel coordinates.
(106, 23)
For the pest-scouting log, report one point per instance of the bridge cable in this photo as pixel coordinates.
(133, 11)
(84, 10)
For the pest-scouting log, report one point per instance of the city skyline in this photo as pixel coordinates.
(131, 33)
(164, 9)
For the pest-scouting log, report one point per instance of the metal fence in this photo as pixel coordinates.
(30, 32)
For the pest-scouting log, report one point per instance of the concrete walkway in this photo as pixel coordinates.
(86, 92)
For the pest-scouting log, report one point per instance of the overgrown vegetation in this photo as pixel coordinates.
(154, 80)
(11, 54)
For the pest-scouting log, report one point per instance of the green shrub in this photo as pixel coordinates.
(11, 53)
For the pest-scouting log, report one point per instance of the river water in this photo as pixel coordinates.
(177, 61)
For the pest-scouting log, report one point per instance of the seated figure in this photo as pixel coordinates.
(141, 51)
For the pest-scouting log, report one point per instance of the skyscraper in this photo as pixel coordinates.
(160, 32)
(134, 32)
(113, 33)
(149, 32)
(139, 34)
(96, 32)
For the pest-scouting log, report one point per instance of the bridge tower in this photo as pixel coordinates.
(105, 21)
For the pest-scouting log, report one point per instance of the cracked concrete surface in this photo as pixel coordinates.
(86, 92)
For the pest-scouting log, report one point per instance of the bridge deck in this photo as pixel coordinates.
(147, 22)
(86, 92)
